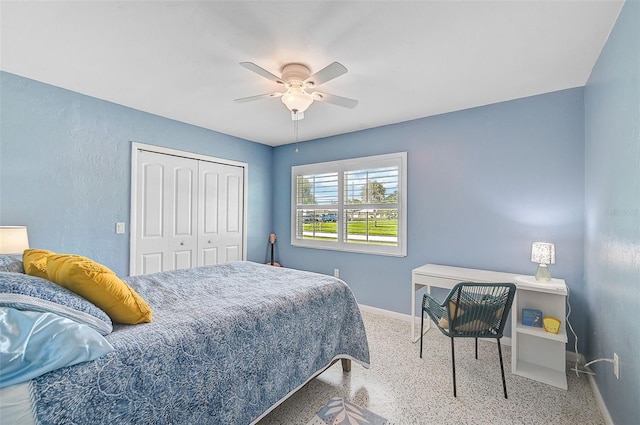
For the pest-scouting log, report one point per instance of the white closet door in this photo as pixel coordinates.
(220, 213)
(186, 212)
(166, 219)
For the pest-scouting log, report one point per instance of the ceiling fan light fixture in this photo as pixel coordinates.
(296, 99)
(297, 80)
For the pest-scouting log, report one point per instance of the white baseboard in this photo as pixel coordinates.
(386, 313)
(603, 407)
(571, 360)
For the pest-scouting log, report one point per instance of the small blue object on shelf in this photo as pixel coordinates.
(531, 317)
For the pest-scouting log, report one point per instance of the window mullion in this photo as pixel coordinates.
(341, 217)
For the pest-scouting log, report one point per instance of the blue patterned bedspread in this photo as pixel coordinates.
(226, 344)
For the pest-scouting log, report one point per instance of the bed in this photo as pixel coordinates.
(226, 345)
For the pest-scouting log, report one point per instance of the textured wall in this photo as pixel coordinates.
(612, 212)
(484, 184)
(65, 165)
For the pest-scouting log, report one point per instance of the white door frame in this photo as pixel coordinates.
(137, 147)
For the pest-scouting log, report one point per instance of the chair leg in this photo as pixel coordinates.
(504, 384)
(453, 364)
(476, 348)
(421, 332)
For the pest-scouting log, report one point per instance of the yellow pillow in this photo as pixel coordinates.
(54, 267)
(99, 285)
(444, 323)
(35, 262)
(476, 325)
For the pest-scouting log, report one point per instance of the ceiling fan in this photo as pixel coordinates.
(299, 82)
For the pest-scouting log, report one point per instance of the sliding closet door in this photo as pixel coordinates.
(220, 213)
(166, 221)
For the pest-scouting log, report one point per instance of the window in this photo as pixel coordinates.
(354, 205)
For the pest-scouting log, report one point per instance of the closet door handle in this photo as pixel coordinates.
(210, 242)
(181, 243)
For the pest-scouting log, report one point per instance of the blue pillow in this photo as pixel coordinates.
(10, 264)
(25, 292)
(34, 343)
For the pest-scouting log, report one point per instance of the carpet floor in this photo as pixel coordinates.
(408, 390)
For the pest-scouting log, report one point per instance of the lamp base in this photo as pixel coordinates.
(542, 273)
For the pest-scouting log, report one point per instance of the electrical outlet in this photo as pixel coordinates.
(336, 272)
(616, 365)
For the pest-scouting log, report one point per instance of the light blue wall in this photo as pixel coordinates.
(484, 184)
(612, 211)
(65, 165)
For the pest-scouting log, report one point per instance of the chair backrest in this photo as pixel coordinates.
(479, 309)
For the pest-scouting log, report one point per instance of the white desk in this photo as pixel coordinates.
(535, 354)
(446, 277)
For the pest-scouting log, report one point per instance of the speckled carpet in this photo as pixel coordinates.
(339, 411)
(408, 390)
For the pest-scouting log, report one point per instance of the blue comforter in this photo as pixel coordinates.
(226, 345)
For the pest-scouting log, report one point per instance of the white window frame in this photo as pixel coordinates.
(394, 159)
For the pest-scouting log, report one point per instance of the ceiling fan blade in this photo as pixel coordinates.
(261, 71)
(258, 97)
(327, 73)
(345, 102)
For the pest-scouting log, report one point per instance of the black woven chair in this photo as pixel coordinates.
(471, 310)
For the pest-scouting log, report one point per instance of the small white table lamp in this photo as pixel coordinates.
(13, 240)
(543, 253)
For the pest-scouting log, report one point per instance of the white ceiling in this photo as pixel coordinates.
(406, 59)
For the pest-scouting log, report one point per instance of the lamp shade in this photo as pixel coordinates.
(297, 99)
(543, 253)
(13, 239)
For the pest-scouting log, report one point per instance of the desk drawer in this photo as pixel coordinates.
(440, 282)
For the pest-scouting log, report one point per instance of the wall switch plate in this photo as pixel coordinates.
(616, 365)
(120, 227)
(336, 272)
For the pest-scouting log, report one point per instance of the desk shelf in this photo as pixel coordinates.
(535, 353)
(541, 333)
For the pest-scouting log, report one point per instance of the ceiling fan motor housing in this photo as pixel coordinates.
(295, 73)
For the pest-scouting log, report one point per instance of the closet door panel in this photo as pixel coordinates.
(166, 216)
(152, 262)
(184, 198)
(209, 192)
(182, 216)
(182, 260)
(151, 243)
(209, 256)
(221, 213)
(234, 205)
(152, 211)
(208, 214)
(233, 253)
